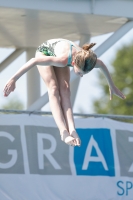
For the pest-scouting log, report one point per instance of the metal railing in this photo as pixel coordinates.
(121, 117)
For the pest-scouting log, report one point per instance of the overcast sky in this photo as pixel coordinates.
(89, 88)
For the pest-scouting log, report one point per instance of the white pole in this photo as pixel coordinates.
(114, 38)
(10, 59)
(33, 80)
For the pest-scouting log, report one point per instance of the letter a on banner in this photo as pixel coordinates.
(88, 158)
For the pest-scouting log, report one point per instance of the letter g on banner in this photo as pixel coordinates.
(13, 153)
(11, 156)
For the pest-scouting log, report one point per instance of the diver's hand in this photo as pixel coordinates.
(9, 87)
(114, 90)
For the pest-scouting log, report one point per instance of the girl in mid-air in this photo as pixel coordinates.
(53, 59)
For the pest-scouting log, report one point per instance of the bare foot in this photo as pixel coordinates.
(77, 139)
(65, 137)
(9, 87)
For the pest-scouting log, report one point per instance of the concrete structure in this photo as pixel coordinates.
(25, 25)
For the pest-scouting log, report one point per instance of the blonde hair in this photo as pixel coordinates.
(86, 58)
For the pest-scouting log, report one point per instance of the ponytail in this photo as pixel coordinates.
(87, 47)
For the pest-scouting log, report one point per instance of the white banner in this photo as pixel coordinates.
(35, 164)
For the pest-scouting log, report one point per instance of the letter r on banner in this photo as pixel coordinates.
(46, 152)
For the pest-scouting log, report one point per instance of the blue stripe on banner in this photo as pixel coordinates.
(95, 156)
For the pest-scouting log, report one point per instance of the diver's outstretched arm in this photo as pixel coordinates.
(10, 85)
(112, 88)
(44, 60)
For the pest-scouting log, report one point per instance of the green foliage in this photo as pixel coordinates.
(13, 104)
(123, 79)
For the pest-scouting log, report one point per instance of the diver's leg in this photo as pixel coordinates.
(63, 78)
(49, 77)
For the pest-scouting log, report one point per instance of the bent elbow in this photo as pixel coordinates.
(102, 63)
(99, 64)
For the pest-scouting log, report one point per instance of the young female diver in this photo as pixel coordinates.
(53, 59)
